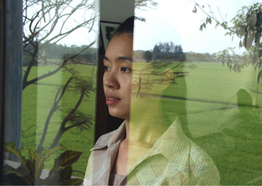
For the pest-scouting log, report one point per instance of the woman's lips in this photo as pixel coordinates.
(112, 100)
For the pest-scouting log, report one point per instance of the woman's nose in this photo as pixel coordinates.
(111, 80)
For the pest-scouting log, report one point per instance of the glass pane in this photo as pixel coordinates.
(58, 97)
(197, 67)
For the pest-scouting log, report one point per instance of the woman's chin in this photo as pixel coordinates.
(119, 114)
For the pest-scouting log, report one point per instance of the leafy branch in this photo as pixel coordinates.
(246, 26)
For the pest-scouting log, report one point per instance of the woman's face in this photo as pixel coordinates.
(117, 78)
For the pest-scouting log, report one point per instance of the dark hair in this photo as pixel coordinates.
(126, 27)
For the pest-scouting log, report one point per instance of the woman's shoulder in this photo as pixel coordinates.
(197, 154)
(202, 167)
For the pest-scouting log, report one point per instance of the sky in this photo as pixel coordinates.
(173, 20)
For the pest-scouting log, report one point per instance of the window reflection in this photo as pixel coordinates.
(59, 82)
(221, 89)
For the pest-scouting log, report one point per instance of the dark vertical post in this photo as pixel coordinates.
(100, 124)
(13, 71)
(2, 59)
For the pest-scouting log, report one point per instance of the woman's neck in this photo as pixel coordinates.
(144, 128)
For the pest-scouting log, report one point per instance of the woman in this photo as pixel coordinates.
(145, 149)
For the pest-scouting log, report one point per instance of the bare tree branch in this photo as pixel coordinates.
(46, 23)
(69, 117)
(51, 112)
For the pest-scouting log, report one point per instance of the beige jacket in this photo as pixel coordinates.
(173, 160)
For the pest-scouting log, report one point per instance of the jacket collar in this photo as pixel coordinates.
(109, 139)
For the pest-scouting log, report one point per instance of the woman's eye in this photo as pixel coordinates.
(106, 68)
(125, 69)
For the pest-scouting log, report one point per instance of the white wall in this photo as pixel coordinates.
(116, 10)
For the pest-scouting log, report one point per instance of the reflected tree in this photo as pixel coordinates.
(147, 55)
(246, 25)
(74, 117)
(47, 22)
(168, 50)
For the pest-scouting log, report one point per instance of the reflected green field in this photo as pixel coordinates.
(209, 95)
(229, 133)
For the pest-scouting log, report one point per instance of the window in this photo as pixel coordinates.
(195, 63)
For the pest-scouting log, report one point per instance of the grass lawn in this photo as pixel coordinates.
(207, 97)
